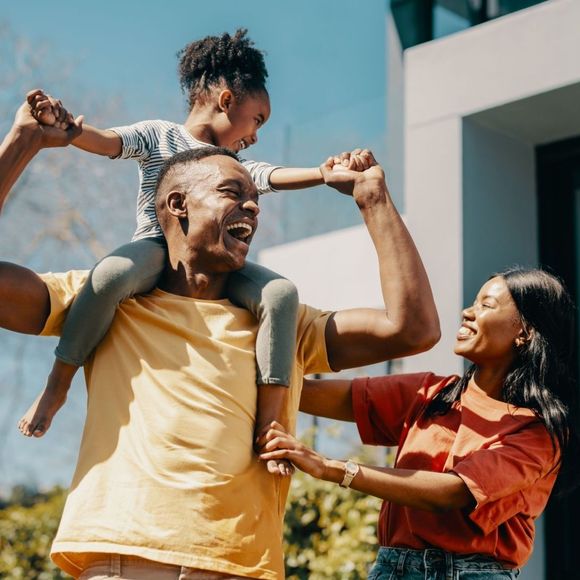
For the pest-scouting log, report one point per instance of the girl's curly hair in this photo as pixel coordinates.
(216, 60)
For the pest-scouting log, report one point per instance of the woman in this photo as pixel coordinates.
(478, 455)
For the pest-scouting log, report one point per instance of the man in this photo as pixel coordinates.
(167, 484)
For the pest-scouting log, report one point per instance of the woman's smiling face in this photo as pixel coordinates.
(491, 327)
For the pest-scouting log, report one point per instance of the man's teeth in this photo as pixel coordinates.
(242, 144)
(246, 230)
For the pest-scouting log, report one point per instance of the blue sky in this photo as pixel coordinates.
(326, 60)
(322, 55)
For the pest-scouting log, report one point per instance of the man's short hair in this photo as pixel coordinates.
(191, 156)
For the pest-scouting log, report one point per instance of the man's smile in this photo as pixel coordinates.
(240, 230)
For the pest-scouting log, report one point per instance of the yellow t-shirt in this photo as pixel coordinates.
(166, 469)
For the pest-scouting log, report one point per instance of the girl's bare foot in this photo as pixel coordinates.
(39, 416)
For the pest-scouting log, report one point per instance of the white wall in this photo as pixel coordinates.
(394, 163)
(528, 52)
(499, 205)
(522, 67)
(333, 271)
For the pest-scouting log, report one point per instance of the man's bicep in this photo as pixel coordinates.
(361, 337)
(24, 299)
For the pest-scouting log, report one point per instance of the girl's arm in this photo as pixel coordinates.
(420, 489)
(301, 177)
(99, 141)
(49, 111)
(295, 177)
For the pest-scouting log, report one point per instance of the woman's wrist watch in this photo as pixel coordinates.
(350, 470)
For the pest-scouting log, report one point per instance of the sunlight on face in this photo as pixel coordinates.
(490, 326)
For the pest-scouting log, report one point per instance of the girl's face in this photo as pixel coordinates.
(241, 119)
(491, 329)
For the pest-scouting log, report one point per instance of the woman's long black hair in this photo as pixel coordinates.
(541, 377)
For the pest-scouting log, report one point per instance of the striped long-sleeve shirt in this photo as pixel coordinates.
(150, 143)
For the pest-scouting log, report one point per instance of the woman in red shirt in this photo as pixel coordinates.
(478, 455)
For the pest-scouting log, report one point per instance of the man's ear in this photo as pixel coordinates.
(176, 205)
(225, 100)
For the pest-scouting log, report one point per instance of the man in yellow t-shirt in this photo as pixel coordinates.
(167, 484)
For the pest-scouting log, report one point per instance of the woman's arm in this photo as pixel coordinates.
(328, 398)
(427, 490)
(99, 141)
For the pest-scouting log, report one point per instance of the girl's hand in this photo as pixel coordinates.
(276, 443)
(355, 160)
(45, 135)
(343, 172)
(49, 111)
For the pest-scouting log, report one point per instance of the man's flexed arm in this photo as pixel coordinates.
(409, 323)
(24, 299)
(24, 140)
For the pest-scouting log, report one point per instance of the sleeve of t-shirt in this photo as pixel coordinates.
(138, 140)
(495, 475)
(382, 405)
(62, 289)
(260, 173)
(311, 352)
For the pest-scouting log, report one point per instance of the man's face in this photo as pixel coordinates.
(222, 210)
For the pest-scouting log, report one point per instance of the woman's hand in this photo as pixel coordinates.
(276, 443)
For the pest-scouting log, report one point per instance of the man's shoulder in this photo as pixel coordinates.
(72, 280)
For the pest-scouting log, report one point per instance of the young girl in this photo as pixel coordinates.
(225, 78)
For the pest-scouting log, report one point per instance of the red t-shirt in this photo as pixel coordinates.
(503, 453)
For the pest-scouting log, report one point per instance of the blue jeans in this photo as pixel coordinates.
(430, 564)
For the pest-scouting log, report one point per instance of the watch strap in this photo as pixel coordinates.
(350, 470)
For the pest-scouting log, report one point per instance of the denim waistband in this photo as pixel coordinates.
(435, 559)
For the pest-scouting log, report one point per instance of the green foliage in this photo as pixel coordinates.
(28, 524)
(329, 531)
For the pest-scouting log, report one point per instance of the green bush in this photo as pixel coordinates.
(28, 524)
(329, 531)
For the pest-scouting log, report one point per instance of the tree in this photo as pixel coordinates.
(66, 211)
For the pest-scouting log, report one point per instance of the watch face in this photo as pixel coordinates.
(350, 470)
(351, 467)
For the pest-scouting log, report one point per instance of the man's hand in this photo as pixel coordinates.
(354, 173)
(46, 136)
(48, 111)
